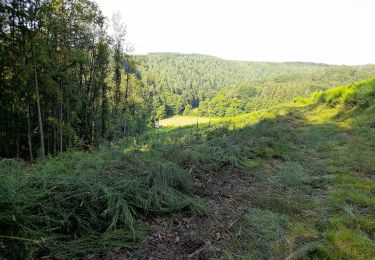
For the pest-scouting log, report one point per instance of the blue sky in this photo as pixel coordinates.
(329, 31)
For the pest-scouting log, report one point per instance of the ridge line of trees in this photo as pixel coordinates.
(218, 87)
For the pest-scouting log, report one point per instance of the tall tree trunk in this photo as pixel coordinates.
(29, 133)
(61, 118)
(17, 145)
(92, 132)
(103, 111)
(48, 143)
(87, 123)
(68, 122)
(29, 136)
(61, 129)
(126, 99)
(38, 106)
(54, 139)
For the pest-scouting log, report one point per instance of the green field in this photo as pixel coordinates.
(185, 120)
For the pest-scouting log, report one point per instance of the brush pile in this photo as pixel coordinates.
(86, 202)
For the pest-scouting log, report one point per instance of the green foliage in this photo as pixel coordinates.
(226, 88)
(187, 110)
(64, 79)
(228, 102)
(87, 202)
(360, 95)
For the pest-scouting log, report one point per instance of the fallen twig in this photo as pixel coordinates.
(197, 252)
(38, 242)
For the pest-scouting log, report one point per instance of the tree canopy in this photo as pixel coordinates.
(226, 87)
(65, 82)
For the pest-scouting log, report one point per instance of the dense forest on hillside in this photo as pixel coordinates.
(224, 88)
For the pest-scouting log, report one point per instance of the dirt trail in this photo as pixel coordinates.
(186, 235)
(189, 236)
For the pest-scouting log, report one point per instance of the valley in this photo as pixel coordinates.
(119, 140)
(293, 181)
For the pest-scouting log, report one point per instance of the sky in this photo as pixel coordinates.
(326, 31)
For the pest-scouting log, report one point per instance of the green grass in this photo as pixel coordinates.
(83, 202)
(185, 120)
(310, 163)
(318, 164)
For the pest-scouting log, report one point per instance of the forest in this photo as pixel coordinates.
(65, 82)
(226, 88)
(107, 154)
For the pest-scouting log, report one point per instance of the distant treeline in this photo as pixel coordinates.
(223, 87)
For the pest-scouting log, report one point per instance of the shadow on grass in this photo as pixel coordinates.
(300, 206)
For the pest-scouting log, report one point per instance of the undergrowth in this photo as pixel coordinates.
(86, 202)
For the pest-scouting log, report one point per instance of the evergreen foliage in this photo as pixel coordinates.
(63, 79)
(84, 202)
(226, 88)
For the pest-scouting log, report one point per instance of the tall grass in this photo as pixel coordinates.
(86, 202)
(359, 95)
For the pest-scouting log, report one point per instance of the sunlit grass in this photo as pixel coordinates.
(185, 120)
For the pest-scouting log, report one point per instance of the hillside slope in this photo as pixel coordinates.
(294, 181)
(181, 81)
